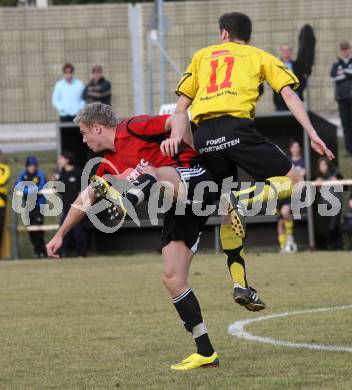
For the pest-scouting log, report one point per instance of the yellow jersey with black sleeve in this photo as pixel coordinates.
(4, 183)
(224, 79)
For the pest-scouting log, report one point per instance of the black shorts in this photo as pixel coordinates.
(195, 179)
(187, 228)
(185, 225)
(227, 142)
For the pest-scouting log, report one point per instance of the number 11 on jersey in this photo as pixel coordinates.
(214, 87)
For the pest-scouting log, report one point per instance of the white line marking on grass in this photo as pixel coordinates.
(238, 329)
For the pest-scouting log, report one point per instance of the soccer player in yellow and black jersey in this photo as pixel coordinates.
(221, 87)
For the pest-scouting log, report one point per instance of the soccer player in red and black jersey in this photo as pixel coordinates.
(132, 151)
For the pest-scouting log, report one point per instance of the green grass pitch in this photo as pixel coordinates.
(108, 323)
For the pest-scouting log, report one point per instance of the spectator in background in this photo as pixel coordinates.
(4, 189)
(286, 57)
(285, 223)
(37, 178)
(341, 74)
(98, 89)
(328, 232)
(67, 96)
(70, 175)
(346, 226)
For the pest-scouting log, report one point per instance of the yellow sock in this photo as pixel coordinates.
(278, 187)
(282, 240)
(289, 228)
(233, 250)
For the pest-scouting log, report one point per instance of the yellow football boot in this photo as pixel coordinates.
(237, 216)
(197, 361)
(103, 189)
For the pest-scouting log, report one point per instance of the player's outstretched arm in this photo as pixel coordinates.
(295, 105)
(180, 128)
(76, 213)
(182, 118)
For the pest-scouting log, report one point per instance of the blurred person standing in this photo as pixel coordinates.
(68, 95)
(285, 222)
(328, 232)
(346, 226)
(286, 57)
(341, 74)
(37, 178)
(4, 189)
(98, 89)
(70, 175)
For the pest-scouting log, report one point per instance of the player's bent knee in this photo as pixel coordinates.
(174, 284)
(170, 281)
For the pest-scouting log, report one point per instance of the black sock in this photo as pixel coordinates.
(189, 311)
(141, 191)
(204, 346)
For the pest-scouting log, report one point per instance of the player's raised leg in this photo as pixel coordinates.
(143, 186)
(277, 187)
(123, 202)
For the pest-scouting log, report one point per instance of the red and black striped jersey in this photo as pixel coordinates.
(137, 144)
